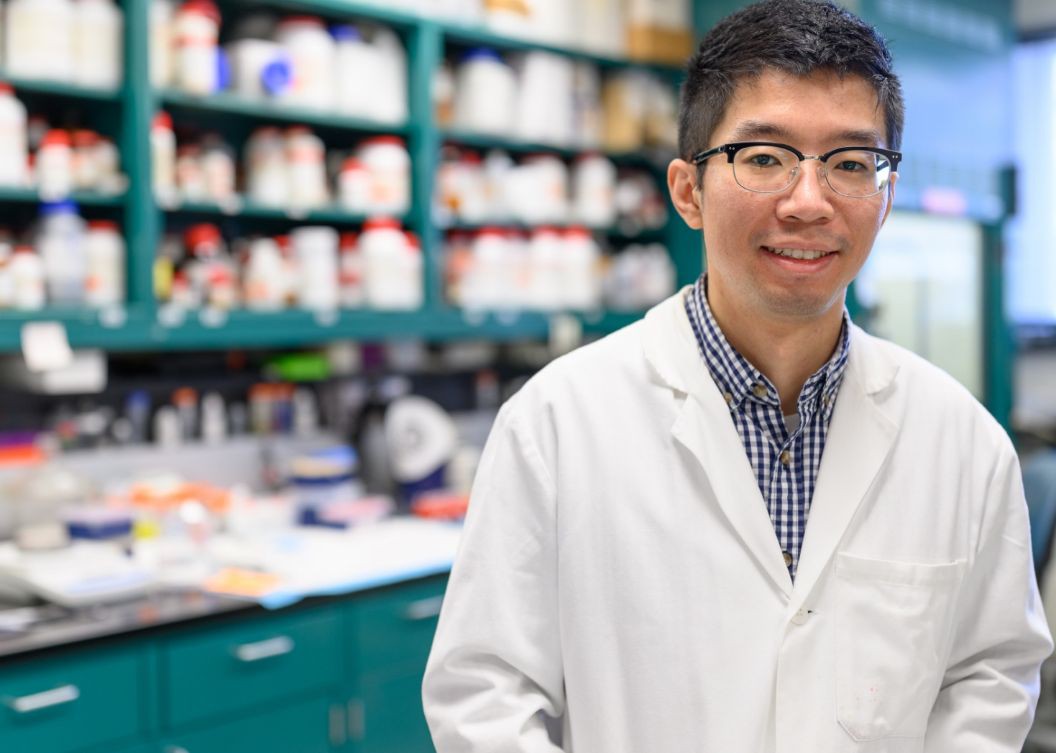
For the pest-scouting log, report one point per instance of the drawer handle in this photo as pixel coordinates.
(272, 647)
(47, 699)
(424, 610)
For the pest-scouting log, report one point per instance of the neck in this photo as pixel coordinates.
(786, 352)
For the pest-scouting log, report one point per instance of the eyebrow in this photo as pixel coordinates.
(758, 129)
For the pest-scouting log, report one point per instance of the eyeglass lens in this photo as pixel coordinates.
(769, 169)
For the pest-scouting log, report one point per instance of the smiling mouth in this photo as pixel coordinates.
(799, 253)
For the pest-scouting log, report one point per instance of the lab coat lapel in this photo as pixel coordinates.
(858, 443)
(705, 429)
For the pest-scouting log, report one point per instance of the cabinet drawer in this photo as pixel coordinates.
(301, 727)
(220, 669)
(395, 627)
(71, 702)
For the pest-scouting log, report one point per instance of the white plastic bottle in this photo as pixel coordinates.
(351, 272)
(14, 152)
(162, 14)
(487, 286)
(306, 161)
(264, 287)
(54, 165)
(389, 166)
(39, 39)
(98, 43)
(316, 251)
(27, 280)
(218, 169)
(594, 191)
(196, 31)
(267, 172)
(60, 242)
(540, 187)
(485, 94)
(382, 245)
(545, 251)
(312, 56)
(354, 186)
(163, 159)
(390, 101)
(105, 250)
(355, 61)
(580, 259)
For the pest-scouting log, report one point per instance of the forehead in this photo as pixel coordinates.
(822, 108)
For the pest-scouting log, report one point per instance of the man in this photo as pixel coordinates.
(743, 525)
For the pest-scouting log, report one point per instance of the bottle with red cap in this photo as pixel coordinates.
(389, 165)
(306, 160)
(163, 158)
(105, 250)
(312, 57)
(196, 33)
(208, 267)
(14, 151)
(581, 273)
(386, 263)
(27, 279)
(54, 165)
(351, 271)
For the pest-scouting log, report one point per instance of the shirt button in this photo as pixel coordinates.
(800, 617)
(728, 398)
(788, 558)
(786, 458)
(826, 400)
(759, 389)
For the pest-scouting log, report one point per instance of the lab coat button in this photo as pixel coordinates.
(800, 617)
(759, 389)
(788, 558)
(728, 398)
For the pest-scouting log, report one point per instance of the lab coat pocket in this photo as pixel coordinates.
(893, 622)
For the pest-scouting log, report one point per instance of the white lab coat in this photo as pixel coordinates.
(620, 588)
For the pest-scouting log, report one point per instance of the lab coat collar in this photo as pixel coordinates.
(859, 441)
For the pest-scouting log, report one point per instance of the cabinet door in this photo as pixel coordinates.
(390, 716)
(396, 626)
(300, 727)
(71, 702)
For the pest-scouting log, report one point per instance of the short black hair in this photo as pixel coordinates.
(794, 36)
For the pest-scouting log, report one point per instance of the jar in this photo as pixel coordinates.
(354, 186)
(190, 180)
(105, 250)
(487, 283)
(580, 272)
(196, 30)
(208, 269)
(356, 64)
(264, 279)
(312, 57)
(594, 191)
(351, 272)
(163, 158)
(260, 68)
(316, 251)
(540, 190)
(27, 279)
(218, 169)
(267, 176)
(108, 166)
(544, 110)
(161, 32)
(14, 151)
(98, 43)
(60, 241)
(389, 166)
(389, 103)
(39, 39)
(85, 166)
(306, 160)
(54, 165)
(383, 246)
(545, 252)
(485, 94)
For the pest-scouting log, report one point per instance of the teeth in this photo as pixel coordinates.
(798, 253)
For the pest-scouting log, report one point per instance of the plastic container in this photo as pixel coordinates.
(389, 103)
(163, 158)
(306, 160)
(39, 39)
(355, 61)
(539, 189)
(545, 252)
(487, 285)
(544, 110)
(27, 279)
(260, 68)
(594, 191)
(218, 169)
(14, 151)
(104, 248)
(312, 56)
(323, 479)
(582, 283)
(351, 272)
(485, 94)
(389, 166)
(98, 43)
(54, 165)
(315, 249)
(162, 14)
(85, 165)
(196, 31)
(208, 269)
(354, 186)
(60, 241)
(387, 263)
(267, 175)
(264, 276)
(190, 179)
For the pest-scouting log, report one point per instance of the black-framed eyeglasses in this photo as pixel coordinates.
(766, 167)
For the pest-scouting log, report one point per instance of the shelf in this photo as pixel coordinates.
(647, 158)
(81, 198)
(642, 236)
(341, 9)
(60, 89)
(226, 103)
(116, 327)
(332, 215)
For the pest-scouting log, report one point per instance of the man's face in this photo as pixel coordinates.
(815, 113)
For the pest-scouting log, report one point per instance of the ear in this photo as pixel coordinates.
(890, 198)
(682, 185)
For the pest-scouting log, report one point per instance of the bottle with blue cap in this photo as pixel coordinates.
(60, 242)
(485, 93)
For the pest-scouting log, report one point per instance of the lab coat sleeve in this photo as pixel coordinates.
(494, 678)
(990, 688)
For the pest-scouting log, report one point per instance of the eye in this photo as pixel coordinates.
(850, 166)
(763, 160)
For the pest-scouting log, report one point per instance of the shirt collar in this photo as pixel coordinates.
(739, 381)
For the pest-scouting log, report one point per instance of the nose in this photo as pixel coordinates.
(809, 199)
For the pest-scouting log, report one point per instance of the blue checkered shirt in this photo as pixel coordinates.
(785, 462)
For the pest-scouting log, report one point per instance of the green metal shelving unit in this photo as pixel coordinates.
(141, 324)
